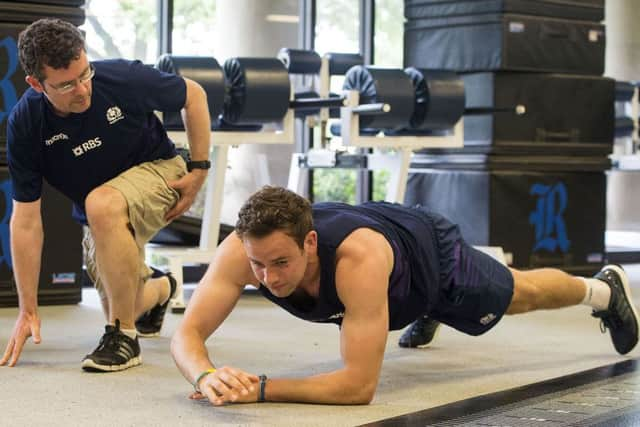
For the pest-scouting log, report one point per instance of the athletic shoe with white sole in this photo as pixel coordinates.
(116, 352)
(420, 333)
(621, 317)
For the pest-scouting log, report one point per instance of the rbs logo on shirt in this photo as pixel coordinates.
(86, 146)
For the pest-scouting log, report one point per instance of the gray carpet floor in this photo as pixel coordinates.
(48, 388)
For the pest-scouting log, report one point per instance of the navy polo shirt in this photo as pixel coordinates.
(78, 153)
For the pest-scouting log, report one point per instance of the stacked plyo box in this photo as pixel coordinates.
(62, 252)
(531, 176)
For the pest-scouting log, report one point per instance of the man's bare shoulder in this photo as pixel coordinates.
(230, 262)
(365, 249)
(364, 261)
(364, 242)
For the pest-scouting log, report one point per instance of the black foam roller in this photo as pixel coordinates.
(202, 69)
(340, 63)
(300, 61)
(382, 85)
(439, 100)
(624, 91)
(623, 127)
(258, 91)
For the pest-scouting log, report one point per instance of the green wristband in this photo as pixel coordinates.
(201, 376)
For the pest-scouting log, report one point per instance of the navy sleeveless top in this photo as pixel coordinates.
(415, 281)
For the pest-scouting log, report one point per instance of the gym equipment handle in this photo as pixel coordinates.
(315, 103)
(371, 109)
(518, 110)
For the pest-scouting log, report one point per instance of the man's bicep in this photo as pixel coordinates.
(220, 288)
(210, 304)
(194, 92)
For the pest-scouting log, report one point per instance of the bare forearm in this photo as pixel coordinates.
(26, 252)
(197, 122)
(336, 388)
(190, 354)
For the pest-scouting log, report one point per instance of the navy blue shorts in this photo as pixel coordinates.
(475, 289)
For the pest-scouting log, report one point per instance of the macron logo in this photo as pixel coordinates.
(56, 138)
(485, 320)
(114, 114)
(86, 146)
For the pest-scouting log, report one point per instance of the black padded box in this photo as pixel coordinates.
(544, 212)
(585, 10)
(76, 3)
(491, 42)
(563, 114)
(11, 11)
(185, 231)
(60, 275)
(12, 83)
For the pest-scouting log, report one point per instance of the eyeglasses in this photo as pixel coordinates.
(69, 86)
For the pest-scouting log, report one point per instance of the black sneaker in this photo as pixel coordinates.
(621, 318)
(115, 352)
(420, 333)
(150, 323)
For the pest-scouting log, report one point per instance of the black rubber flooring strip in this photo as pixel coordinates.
(492, 401)
(623, 256)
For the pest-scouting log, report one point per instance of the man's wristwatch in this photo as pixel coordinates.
(263, 383)
(200, 164)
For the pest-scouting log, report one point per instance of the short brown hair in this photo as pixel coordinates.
(51, 42)
(275, 208)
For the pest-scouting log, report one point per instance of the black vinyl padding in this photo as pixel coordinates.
(439, 101)
(258, 91)
(383, 85)
(204, 70)
(299, 61)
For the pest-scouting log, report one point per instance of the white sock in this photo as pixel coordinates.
(598, 294)
(131, 333)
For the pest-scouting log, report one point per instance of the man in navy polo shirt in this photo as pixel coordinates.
(90, 130)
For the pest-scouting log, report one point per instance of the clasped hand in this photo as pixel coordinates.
(188, 187)
(228, 385)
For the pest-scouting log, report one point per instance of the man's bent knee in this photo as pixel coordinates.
(525, 294)
(104, 206)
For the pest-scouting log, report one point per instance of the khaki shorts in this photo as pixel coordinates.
(149, 198)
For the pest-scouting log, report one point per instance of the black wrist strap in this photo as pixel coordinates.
(263, 383)
(201, 164)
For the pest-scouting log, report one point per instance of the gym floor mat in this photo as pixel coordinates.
(605, 396)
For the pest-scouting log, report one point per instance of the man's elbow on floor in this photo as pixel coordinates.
(362, 394)
(365, 398)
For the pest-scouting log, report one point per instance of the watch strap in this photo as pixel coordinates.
(199, 164)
